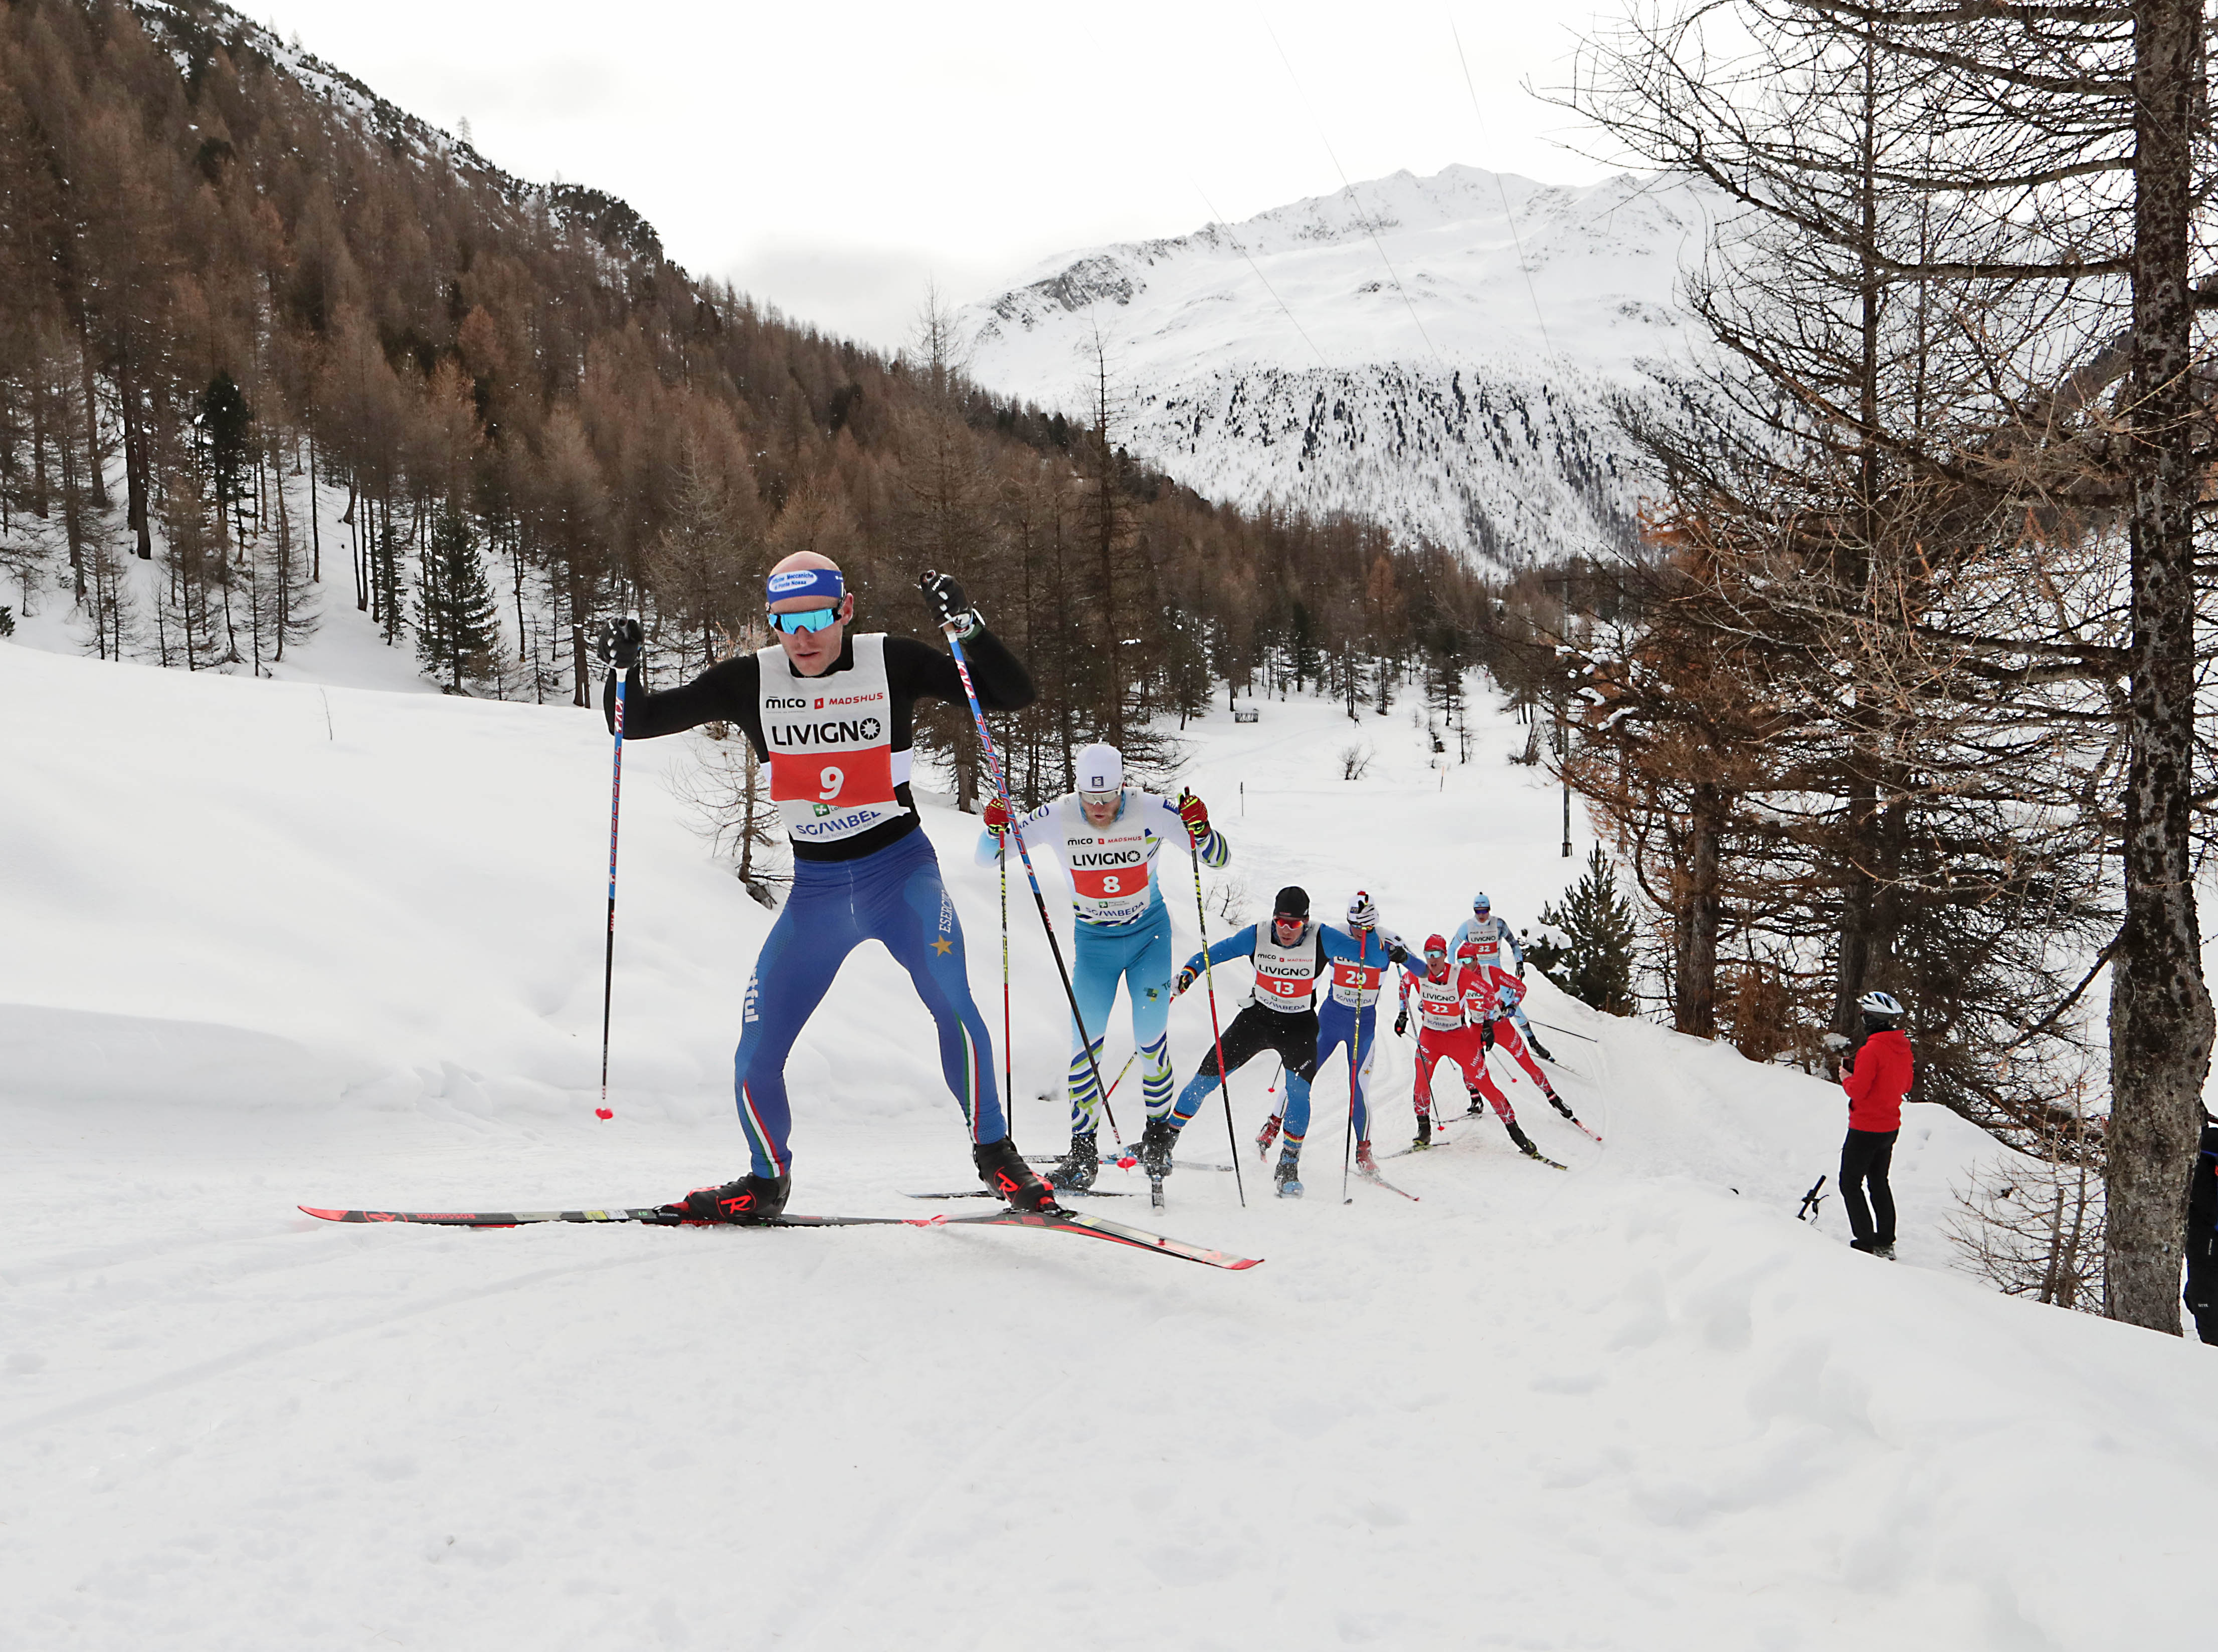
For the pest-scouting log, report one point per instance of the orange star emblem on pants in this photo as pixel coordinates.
(943, 945)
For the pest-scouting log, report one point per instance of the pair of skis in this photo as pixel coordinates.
(1476, 1113)
(1056, 1220)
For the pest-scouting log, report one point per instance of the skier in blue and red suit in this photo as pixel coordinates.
(1289, 953)
(831, 713)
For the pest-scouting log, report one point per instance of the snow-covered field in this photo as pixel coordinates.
(270, 943)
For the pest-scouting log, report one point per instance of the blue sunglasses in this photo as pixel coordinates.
(808, 619)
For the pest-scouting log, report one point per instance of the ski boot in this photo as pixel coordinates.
(1524, 1141)
(1533, 1039)
(1288, 1175)
(1424, 1132)
(1884, 1250)
(1266, 1135)
(1076, 1169)
(1477, 1108)
(1157, 1144)
(1003, 1169)
(749, 1202)
(1365, 1164)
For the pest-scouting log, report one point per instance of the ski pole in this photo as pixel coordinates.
(1122, 1071)
(1008, 1052)
(1017, 830)
(1354, 1075)
(609, 962)
(1209, 974)
(1566, 1031)
(1810, 1201)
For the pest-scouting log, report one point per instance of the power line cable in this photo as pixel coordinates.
(1515, 240)
(1355, 199)
(1218, 221)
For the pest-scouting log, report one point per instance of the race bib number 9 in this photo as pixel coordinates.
(863, 776)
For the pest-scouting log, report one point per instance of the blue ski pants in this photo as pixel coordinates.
(894, 896)
(1140, 956)
(1338, 1025)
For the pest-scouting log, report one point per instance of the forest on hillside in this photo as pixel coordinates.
(1906, 695)
(293, 347)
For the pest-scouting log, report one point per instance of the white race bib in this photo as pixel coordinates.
(832, 768)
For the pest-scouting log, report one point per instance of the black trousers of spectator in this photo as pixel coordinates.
(1865, 1157)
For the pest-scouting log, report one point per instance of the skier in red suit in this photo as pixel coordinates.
(1451, 1026)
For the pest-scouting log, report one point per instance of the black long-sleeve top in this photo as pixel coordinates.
(731, 691)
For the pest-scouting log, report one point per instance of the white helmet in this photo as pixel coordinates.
(1361, 913)
(1100, 769)
(1880, 1004)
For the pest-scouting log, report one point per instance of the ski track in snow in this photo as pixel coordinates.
(1636, 1405)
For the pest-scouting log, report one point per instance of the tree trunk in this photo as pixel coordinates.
(92, 422)
(2160, 1014)
(581, 696)
(1697, 995)
(136, 510)
(315, 528)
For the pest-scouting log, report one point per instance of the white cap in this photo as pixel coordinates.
(1100, 769)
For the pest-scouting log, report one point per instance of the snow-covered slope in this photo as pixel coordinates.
(1434, 352)
(258, 957)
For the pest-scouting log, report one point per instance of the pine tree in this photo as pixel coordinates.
(457, 615)
(1593, 962)
(226, 423)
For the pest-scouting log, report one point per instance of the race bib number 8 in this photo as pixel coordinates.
(1100, 885)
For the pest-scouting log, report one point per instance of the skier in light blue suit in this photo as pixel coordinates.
(1109, 836)
(1496, 946)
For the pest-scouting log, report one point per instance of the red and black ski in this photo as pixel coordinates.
(1073, 1222)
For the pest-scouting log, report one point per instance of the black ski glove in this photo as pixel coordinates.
(951, 609)
(1402, 1024)
(1396, 953)
(617, 642)
(1486, 1035)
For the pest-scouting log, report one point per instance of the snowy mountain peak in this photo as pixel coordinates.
(1433, 351)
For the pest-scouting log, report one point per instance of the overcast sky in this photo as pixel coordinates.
(834, 157)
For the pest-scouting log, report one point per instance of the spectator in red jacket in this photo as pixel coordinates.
(1877, 1077)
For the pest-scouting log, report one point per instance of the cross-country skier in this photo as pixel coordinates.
(831, 712)
(1497, 992)
(1451, 1025)
(1877, 1077)
(1348, 1017)
(1289, 953)
(1497, 945)
(1109, 835)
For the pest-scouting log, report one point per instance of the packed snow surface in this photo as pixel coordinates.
(1435, 353)
(276, 944)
